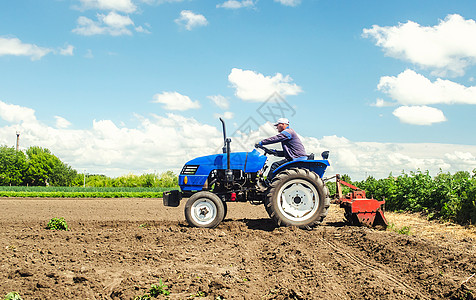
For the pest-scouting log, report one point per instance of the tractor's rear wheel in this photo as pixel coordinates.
(204, 209)
(297, 197)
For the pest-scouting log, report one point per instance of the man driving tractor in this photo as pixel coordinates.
(293, 149)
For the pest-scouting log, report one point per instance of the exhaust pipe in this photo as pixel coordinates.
(227, 150)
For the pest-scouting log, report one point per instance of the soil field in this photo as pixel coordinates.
(118, 248)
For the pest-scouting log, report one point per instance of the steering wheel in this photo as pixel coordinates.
(266, 150)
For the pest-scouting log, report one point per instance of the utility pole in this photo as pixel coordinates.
(18, 140)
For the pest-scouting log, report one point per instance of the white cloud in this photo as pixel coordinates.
(158, 143)
(166, 142)
(110, 24)
(190, 20)
(16, 114)
(419, 115)
(161, 1)
(220, 101)
(67, 50)
(115, 20)
(141, 29)
(411, 88)
(382, 103)
(62, 123)
(447, 48)
(14, 46)
(175, 101)
(289, 2)
(234, 4)
(253, 86)
(89, 54)
(227, 115)
(125, 6)
(465, 156)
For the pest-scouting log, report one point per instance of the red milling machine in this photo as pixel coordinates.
(358, 209)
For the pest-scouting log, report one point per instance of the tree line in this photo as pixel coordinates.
(39, 167)
(35, 167)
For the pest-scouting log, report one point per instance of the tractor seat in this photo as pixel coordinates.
(325, 155)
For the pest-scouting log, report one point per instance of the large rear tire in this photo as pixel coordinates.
(204, 209)
(297, 197)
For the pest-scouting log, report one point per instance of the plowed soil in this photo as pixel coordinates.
(118, 248)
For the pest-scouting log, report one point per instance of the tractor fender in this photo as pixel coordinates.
(317, 166)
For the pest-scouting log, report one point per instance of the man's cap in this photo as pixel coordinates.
(281, 120)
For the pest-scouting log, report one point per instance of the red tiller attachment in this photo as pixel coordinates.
(358, 209)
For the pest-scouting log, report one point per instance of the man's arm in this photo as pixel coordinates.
(270, 151)
(284, 135)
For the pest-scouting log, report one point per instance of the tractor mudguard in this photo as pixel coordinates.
(317, 166)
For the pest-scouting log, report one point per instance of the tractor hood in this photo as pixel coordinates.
(196, 171)
(246, 161)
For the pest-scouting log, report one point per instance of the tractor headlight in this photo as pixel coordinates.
(185, 180)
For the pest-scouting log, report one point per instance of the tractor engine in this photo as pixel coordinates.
(232, 185)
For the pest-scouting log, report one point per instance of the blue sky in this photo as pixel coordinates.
(120, 86)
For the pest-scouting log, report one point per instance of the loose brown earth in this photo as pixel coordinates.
(118, 248)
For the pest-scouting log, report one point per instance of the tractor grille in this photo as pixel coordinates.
(189, 170)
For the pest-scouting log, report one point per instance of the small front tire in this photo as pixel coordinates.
(205, 210)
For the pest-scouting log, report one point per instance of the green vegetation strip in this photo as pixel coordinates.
(83, 189)
(10, 194)
(80, 192)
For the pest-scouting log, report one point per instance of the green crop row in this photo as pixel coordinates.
(77, 189)
(39, 194)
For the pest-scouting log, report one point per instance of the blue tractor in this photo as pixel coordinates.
(293, 195)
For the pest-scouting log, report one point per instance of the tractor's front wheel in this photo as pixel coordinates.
(204, 209)
(297, 197)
